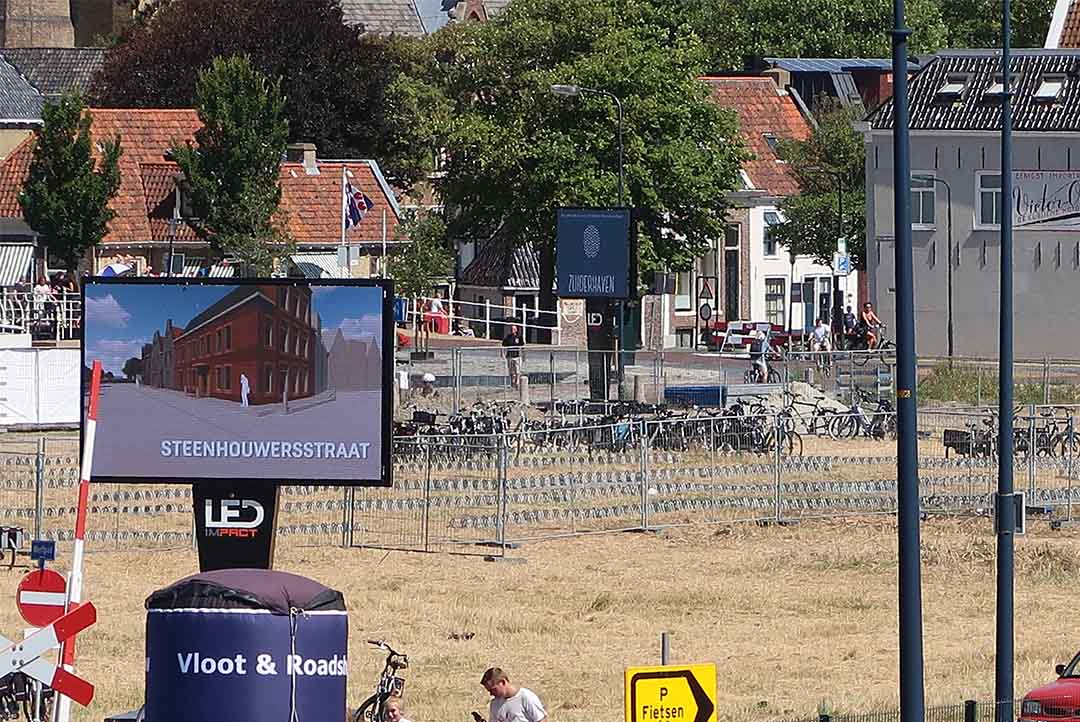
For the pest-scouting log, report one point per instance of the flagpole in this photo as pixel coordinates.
(344, 206)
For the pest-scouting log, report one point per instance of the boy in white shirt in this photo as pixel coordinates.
(510, 703)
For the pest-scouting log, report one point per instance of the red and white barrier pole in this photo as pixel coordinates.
(74, 586)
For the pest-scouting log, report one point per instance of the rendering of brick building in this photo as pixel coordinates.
(264, 333)
(159, 362)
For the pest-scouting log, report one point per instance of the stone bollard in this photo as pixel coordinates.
(639, 389)
(523, 389)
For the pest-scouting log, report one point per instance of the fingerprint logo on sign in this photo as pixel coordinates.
(591, 241)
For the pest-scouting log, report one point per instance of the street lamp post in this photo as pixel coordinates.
(949, 264)
(572, 91)
(172, 237)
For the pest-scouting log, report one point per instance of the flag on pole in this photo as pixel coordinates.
(353, 206)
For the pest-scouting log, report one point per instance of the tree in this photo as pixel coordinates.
(66, 195)
(737, 31)
(345, 91)
(517, 153)
(232, 171)
(828, 164)
(425, 261)
(133, 367)
(977, 23)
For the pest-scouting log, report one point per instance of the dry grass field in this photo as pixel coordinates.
(793, 617)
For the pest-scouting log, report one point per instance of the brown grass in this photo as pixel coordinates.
(793, 617)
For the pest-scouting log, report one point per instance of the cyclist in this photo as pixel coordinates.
(510, 703)
(820, 339)
(759, 368)
(870, 321)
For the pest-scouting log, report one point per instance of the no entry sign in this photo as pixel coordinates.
(41, 597)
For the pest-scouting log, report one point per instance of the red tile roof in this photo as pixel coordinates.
(145, 200)
(1070, 30)
(763, 109)
(313, 203)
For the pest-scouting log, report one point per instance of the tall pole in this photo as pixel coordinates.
(1006, 513)
(910, 583)
(837, 300)
(622, 204)
(949, 275)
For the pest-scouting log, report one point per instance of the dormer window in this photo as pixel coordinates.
(952, 88)
(1050, 87)
(997, 88)
(771, 141)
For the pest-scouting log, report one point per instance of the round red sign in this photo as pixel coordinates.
(41, 597)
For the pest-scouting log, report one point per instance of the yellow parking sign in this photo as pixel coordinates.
(673, 693)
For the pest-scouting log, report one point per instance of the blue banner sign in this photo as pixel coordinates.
(218, 665)
(594, 257)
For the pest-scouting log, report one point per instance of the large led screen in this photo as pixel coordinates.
(275, 380)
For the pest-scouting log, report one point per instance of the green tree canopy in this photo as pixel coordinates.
(977, 23)
(426, 260)
(736, 31)
(828, 164)
(66, 194)
(517, 152)
(346, 92)
(232, 171)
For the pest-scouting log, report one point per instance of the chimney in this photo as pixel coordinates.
(302, 153)
(781, 77)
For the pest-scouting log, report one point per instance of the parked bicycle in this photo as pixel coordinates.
(390, 684)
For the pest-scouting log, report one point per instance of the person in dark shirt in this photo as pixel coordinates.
(758, 367)
(513, 342)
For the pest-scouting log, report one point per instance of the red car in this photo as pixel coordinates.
(1057, 701)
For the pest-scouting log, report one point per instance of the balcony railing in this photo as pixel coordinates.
(55, 317)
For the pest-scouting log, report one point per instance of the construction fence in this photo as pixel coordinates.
(480, 494)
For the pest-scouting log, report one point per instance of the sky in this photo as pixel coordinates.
(120, 318)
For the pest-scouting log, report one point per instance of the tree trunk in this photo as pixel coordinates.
(547, 294)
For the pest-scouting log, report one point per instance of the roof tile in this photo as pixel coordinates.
(762, 110)
(144, 203)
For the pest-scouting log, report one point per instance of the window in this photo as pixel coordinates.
(219, 340)
(683, 290)
(177, 263)
(268, 332)
(183, 202)
(775, 300)
(989, 187)
(228, 338)
(997, 87)
(267, 378)
(772, 218)
(1050, 88)
(684, 338)
(923, 201)
(283, 337)
(303, 347)
(771, 141)
(295, 341)
(227, 372)
(281, 292)
(731, 236)
(952, 88)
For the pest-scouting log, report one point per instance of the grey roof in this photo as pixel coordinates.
(973, 110)
(501, 263)
(384, 17)
(55, 71)
(831, 65)
(19, 100)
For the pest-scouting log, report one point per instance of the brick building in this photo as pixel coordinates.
(159, 363)
(263, 332)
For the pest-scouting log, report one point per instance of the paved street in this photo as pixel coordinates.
(134, 422)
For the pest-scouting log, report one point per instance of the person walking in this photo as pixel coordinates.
(513, 343)
(510, 703)
(245, 389)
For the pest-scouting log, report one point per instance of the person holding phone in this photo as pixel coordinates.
(510, 703)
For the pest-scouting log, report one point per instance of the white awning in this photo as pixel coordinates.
(15, 262)
(319, 265)
(219, 270)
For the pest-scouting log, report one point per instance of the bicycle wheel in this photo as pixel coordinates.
(843, 426)
(774, 376)
(370, 710)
